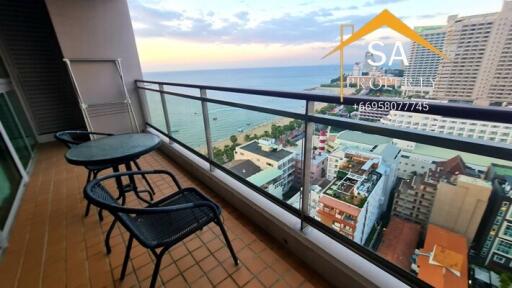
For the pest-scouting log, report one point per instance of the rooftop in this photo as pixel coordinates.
(243, 168)
(449, 246)
(53, 245)
(399, 241)
(275, 155)
(363, 138)
(265, 176)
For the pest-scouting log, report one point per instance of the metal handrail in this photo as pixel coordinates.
(455, 110)
(475, 146)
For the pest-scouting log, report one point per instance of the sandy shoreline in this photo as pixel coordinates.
(258, 130)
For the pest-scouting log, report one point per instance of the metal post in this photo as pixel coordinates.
(128, 100)
(306, 169)
(83, 106)
(164, 108)
(207, 130)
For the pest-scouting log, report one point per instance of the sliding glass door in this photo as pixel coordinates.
(17, 143)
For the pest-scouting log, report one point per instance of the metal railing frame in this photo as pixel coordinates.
(480, 147)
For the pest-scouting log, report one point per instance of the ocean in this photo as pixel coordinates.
(186, 115)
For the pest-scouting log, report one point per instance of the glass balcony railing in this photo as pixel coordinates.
(392, 194)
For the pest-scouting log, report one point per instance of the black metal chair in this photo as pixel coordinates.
(163, 223)
(73, 138)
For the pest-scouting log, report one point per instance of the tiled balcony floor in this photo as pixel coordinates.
(53, 245)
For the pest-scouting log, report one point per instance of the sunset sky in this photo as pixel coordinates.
(195, 35)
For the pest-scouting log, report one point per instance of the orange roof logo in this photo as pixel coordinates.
(385, 18)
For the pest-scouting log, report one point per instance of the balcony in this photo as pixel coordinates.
(53, 245)
(271, 215)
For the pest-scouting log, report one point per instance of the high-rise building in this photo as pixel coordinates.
(479, 60)
(460, 203)
(362, 175)
(491, 131)
(493, 243)
(414, 198)
(421, 72)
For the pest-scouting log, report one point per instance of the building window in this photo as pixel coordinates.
(504, 247)
(499, 259)
(507, 231)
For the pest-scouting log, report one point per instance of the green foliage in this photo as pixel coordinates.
(233, 139)
(505, 280)
(326, 109)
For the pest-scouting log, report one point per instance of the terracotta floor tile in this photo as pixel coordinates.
(52, 243)
(193, 273)
(254, 283)
(242, 276)
(268, 277)
(217, 275)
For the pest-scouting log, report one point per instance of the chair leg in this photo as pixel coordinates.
(126, 257)
(88, 207)
(156, 270)
(107, 236)
(226, 238)
(100, 211)
(145, 179)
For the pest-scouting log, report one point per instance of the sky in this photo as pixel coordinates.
(198, 35)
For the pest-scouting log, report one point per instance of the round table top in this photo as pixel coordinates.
(113, 150)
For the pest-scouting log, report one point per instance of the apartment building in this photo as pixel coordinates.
(266, 154)
(479, 61)
(421, 73)
(493, 243)
(460, 203)
(491, 131)
(414, 198)
(362, 177)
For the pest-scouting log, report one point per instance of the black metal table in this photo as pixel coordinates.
(115, 151)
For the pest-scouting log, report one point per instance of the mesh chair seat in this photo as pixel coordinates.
(155, 230)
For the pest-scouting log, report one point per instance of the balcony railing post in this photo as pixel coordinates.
(207, 130)
(164, 108)
(306, 169)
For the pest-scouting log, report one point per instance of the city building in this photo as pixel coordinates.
(421, 73)
(460, 203)
(478, 65)
(414, 198)
(243, 168)
(443, 261)
(356, 139)
(399, 242)
(369, 114)
(265, 154)
(318, 169)
(362, 176)
(493, 244)
(356, 69)
(483, 130)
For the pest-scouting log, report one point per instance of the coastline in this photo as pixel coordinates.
(260, 129)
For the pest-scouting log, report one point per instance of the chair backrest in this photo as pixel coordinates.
(98, 195)
(76, 137)
(73, 138)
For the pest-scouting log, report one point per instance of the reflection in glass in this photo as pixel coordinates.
(10, 179)
(13, 129)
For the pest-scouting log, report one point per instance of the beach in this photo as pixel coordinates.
(258, 130)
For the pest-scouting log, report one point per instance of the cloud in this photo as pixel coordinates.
(429, 16)
(381, 2)
(320, 25)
